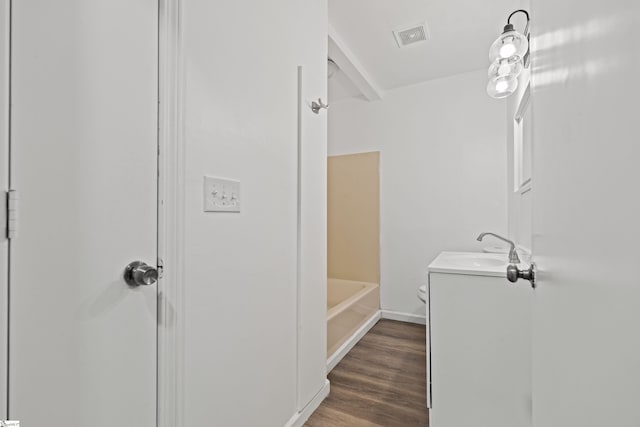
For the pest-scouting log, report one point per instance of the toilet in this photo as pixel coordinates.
(422, 293)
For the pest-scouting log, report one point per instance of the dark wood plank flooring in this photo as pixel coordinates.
(381, 382)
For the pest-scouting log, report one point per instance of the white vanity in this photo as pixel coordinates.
(479, 343)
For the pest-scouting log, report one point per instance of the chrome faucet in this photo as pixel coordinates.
(513, 255)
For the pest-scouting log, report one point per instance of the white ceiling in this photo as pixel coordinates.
(460, 31)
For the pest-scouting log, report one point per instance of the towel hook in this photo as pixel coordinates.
(317, 106)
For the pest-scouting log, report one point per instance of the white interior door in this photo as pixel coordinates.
(82, 343)
(586, 211)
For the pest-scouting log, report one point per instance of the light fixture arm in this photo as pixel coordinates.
(526, 28)
(516, 11)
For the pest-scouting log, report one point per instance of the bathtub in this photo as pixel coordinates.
(350, 305)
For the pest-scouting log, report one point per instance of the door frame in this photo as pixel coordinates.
(171, 215)
(5, 96)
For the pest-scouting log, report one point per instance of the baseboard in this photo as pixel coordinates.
(302, 416)
(345, 348)
(404, 317)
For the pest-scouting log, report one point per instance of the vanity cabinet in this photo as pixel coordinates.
(479, 341)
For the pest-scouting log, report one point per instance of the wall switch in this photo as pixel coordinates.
(221, 195)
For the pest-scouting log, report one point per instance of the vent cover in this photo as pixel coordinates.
(411, 35)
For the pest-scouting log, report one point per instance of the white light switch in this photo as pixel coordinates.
(221, 195)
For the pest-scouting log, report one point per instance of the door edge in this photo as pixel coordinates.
(170, 215)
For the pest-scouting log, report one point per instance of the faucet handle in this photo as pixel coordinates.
(513, 255)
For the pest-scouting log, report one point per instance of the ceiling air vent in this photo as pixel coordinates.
(411, 35)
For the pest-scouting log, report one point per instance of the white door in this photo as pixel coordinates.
(82, 346)
(586, 213)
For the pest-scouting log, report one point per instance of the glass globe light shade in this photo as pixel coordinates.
(502, 86)
(506, 67)
(510, 43)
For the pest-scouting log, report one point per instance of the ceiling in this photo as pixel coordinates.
(460, 32)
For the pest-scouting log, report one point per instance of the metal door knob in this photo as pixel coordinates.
(514, 273)
(138, 273)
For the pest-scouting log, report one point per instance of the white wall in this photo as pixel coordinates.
(519, 203)
(443, 173)
(241, 123)
(311, 53)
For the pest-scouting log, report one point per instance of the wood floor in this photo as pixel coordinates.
(381, 382)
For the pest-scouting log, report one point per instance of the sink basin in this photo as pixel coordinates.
(474, 263)
(477, 260)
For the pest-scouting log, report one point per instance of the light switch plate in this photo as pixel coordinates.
(221, 195)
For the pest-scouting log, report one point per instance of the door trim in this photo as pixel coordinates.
(5, 78)
(170, 214)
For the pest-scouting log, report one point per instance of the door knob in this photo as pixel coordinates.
(138, 273)
(514, 273)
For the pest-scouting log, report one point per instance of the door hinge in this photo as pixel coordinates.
(12, 214)
(160, 267)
